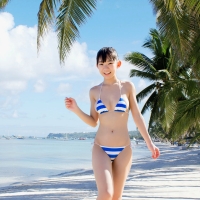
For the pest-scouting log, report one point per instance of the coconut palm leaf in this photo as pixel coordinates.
(167, 100)
(141, 61)
(157, 130)
(174, 22)
(150, 103)
(195, 56)
(163, 75)
(145, 92)
(72, 14)
(187, 116)
(154, 115)
(46, 17)
(142, 74)
(193, 6)
(158, 45)
(195, 138)
(3, 3)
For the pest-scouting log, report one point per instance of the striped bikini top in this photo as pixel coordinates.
(120, 106)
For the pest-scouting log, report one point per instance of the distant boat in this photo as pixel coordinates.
(81, 138)
(20, 137)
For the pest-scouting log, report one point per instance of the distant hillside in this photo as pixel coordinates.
(57, 135)
(85, 134)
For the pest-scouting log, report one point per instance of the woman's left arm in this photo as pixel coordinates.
(139, 121)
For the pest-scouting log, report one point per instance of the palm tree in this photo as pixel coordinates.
(187, 118)
(178, 20)
(159, 70)
(173, 95)
(66, 16)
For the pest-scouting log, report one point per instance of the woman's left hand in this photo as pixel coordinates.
(154, 150)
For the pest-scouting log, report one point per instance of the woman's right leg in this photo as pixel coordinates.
(102, 168)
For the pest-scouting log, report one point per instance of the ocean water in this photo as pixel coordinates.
(24, 160)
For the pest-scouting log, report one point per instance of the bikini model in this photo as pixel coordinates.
(121, 106)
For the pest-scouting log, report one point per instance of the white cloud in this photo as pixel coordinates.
(63, 89)
(124, 71)
(19, 62)
(142, 84)
(12, 87)
(8, 103)
(15, 114)
(39, 86)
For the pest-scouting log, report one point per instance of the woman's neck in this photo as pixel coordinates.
(111, 81)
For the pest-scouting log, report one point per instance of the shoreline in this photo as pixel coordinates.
(174, 175)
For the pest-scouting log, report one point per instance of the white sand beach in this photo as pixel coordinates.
(175, 175)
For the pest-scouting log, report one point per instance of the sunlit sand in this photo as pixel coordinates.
(175, 175)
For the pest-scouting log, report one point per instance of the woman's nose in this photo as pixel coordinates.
(105, 65)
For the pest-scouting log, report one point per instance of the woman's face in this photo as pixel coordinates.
(108, 69)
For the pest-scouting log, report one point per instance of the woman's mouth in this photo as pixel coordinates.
(107, 73)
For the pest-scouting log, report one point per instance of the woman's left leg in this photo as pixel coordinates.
(121, 167)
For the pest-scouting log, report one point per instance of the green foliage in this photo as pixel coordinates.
(65, 17)
(156, 70)
(173, 97)
(71, 15)
(3, 3)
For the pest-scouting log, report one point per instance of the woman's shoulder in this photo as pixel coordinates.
(95, 89)
(128, 84)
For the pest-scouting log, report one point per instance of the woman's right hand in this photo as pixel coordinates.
(71, 104)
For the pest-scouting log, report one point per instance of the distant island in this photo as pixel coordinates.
(132, 134)
(69, 136)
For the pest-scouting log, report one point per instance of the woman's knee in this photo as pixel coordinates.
(105, 195)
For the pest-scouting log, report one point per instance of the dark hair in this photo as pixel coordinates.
(106, 52)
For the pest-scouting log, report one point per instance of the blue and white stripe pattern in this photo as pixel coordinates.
(121, 105)
(112, 152)
(100, 107)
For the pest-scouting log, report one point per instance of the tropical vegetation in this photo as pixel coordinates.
(173, 86)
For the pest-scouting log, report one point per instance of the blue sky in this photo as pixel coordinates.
(33, 86)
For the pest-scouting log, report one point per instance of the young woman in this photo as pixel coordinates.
(111, 102)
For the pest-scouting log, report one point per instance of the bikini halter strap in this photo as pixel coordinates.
(120, 87)
(100, 90)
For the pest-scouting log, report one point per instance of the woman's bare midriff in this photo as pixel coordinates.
(113, 130)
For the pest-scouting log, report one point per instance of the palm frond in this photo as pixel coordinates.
(150, 103)
(3, 3)
(46, 17)
(163, 75)
(141, 61)
(145, 92)
(169, 106)
(154, 42)
(174, 23)
(154, 116)
(187, 116)
(72, 14)
(141, 74)
(193, 6)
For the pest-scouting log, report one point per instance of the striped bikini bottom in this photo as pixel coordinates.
(113, 152)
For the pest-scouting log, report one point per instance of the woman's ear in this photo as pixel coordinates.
(119, 63)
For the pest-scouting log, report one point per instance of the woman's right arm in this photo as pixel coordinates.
(91, 119)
